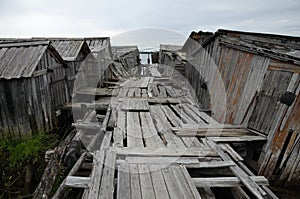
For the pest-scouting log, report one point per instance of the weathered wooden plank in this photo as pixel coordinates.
(227, 181)
(213, 133)
(213, 164)
(107, 181)
(130, 92)
(159, 160)
(184, 117)
(120, 130)
(182, 182)
(150, 134)
(239, 193)
(206, 193)
(144, 82)
(123, 190)
(171, 116)
(146, 182)
(106, 140)
(135, 186)
(138, 92)
(164, 128)
(77, 182)
(98, 162)
(134, 132)
(164, 152)
(234, 155)
(192, 114)
(131, 104)
(244, 178)
(162, 91)
(75, 168)
(87, 126)
(190, 182)
(171, 183)
(94, 91)
(159, 184)
(238, 139)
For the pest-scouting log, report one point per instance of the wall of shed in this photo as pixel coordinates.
(28, 105)
(94, 70)
(253, 85)
(131, 59)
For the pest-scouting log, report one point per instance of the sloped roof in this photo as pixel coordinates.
(19, 59)
(286, 48)
(96, 43)
(171, 48)
(120, 51)
(68, 49)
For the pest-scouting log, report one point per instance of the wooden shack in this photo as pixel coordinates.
(129, 56)
(260, 73)
(95, 69)
(33, 87)
(73, 51)
(172, 56)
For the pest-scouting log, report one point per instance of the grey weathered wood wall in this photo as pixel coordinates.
(254, 70)
(29, 103)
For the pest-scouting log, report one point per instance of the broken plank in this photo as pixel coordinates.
(150, 134)
(164, 128)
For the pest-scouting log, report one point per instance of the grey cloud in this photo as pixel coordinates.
(81, 18)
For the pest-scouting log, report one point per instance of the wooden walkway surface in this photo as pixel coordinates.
(156, 143)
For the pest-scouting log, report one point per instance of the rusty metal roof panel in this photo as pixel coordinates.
(20, 59)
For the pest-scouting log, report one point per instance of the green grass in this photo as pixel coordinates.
(15, 154)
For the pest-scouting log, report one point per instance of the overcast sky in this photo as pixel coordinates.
(27, 18)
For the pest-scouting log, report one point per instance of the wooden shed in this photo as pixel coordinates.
(33, 87)
(73, 51)
(260, 73)
(171, 55)
(129, 56)
(95, 68)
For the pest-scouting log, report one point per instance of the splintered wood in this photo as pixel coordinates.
(160, 145)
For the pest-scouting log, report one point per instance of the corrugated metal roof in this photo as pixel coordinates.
(171, 48)
(20, 59)
(119, 51)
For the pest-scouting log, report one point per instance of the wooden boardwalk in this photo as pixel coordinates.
(156, 143)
